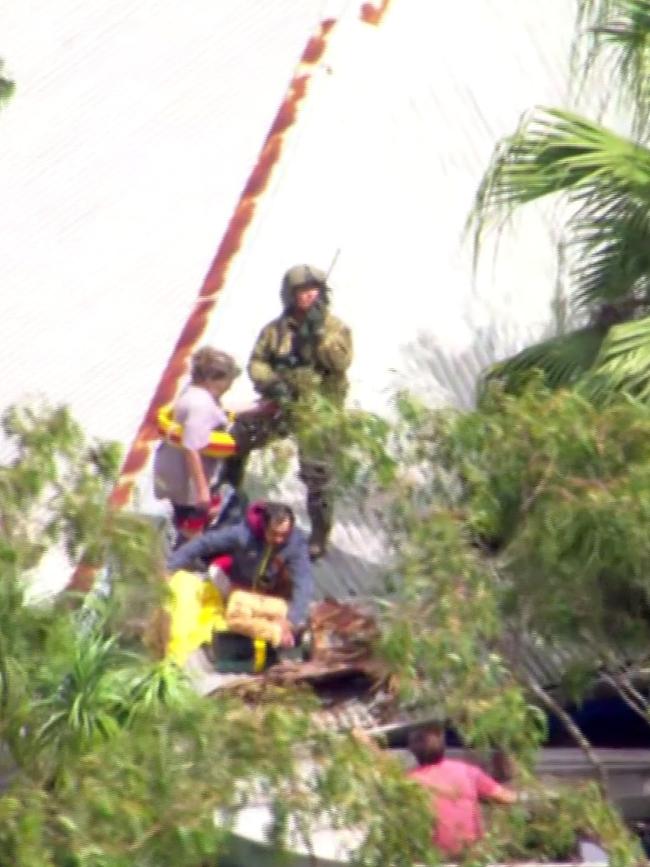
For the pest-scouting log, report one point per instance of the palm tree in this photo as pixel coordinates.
(606, 179)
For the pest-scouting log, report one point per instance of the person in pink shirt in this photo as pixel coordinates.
(456, 789)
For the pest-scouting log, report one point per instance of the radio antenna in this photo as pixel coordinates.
(332, 264)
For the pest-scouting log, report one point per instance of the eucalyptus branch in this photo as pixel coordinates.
(617, 675)
(633, 690)
(539, 488)
(4, 680)
(576, 733)
(628, 696)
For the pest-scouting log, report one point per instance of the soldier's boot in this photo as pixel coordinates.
(317, 478)
(319, 509)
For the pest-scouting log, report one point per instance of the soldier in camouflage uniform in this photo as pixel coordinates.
(306, 337)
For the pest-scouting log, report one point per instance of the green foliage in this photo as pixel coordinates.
(442, 639)
(112, 759)
(623, 363)
(522, 526)
(561, 486)
(562, 361)
(353, 441)
(605, 179)
(55, 491)
(548, 825)
(520, 530)
(539, 542)
(109, 758)
(555, 151)
(148, 796)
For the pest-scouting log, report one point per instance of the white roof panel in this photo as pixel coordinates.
(135, 127)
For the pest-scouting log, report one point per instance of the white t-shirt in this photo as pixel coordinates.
(199, 414)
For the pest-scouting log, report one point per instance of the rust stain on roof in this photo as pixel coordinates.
(373, 13)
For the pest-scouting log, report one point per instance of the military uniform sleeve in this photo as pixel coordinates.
(260, 368)
(334, 351)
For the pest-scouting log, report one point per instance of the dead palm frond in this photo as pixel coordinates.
(610, 243)
(614, 36)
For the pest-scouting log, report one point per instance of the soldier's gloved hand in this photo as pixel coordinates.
(304, 348)
(309, 333)
(315, 320)
(278, 391)
(289, 361)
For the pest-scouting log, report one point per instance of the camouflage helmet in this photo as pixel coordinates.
(299, 277)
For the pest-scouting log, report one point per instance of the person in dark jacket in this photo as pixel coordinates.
(265, 552)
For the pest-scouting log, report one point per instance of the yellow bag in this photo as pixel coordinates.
(196, 610)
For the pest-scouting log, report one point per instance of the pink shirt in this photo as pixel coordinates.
(456, 788)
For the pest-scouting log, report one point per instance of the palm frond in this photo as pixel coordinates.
(610, 247)
(553, 152)
(562, 360)
(623, 364)
(618, 33)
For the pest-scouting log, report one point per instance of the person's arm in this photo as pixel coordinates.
(260, 369)
(363, 737)
(201, 420)
(203, 547)
(488, 789)
(303, 581)
(334, 351)
(502, 795)
(197, 475)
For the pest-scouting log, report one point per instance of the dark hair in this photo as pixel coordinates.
(428, 744)
(278, 513)
(209, 364)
